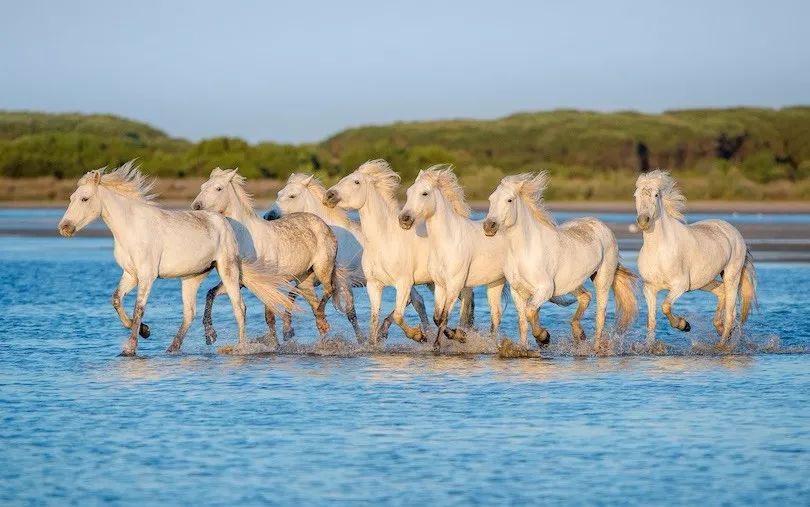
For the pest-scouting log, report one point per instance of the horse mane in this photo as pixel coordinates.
(671, 195)
(316, 188)
(384, 179)
(530, 188)
(245, 199)
(444, 179)
(127, 180)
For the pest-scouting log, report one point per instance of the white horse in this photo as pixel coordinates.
(545, 259)
(300, 246)
(680, 257)
(152, 243)
(459, 254)
(391, 256)
(304, 193)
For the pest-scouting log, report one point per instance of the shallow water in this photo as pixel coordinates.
(331, 421)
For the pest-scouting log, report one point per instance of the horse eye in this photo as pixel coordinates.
(85, 199)
(424, 194)
(356, 182)
(219, 189)
(509, 200)
(292, 197)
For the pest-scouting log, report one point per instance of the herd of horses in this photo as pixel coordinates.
(307, 239)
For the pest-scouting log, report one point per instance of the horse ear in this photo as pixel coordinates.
(97, 177)
(421, 172)
(232, 174)
(306, 181)
(215, 172)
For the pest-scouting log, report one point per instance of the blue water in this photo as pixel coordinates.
(328, 422)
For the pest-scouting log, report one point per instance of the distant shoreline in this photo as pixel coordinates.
(584, 206)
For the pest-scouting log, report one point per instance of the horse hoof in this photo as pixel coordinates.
(210, 338)
(460, 336)
(127, 353)
(580, 336)
(686, 327)
(288, 335)
(172, 349)
(543, 338)
(144, 331)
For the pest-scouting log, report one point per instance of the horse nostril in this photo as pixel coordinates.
(643, 220)
(197, 206)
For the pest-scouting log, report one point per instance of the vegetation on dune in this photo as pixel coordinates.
(740, 153)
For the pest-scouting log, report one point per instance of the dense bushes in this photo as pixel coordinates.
(742, 152)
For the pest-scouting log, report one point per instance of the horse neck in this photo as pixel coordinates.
(445, 225)
(332, 216)
(527, 228)
(240, 211)
(665, 230)
(378, 217)
(117, 212)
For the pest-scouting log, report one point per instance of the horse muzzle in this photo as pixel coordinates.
(196, 206)
(406, 221)
(67, 229)
(490, 227)
(331, 199)
(272, 214)
(643, 222)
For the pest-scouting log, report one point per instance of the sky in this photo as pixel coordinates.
(302, 70)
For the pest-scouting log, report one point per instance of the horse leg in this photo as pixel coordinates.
(127, 283)
(731, 284)
(189, 287)
(676, 291)
(602, 282)
(286, 320)
(439, 313)
(229, 272)
(270, 319)
(520, 308)
(403, 293)
(324, 271)
(351, 314)
(374, 289)
(467, 315)
(208, 324)
(144, 287)
(541, 295)
(718, 290)
(419, 305)
(307, 289)
(651, 297)
(494, 293)
(583, 300)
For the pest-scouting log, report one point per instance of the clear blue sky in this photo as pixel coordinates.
(299, 71)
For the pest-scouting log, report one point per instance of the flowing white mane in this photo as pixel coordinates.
(674, 200)
(383, 177)
(445, 180)
(316, 188)
(126, 180)
(530, 188)
(245, 199)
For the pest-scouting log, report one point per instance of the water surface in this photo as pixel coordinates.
(329, 422)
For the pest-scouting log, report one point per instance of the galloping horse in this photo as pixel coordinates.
(545, 259)
(460, 256)
(305, 193)
(680, 257)
(391, 256)
(300, 246)
(152, 243)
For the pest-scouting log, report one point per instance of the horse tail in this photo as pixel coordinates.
(270, 287)
(748, 287)
(624, 288)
